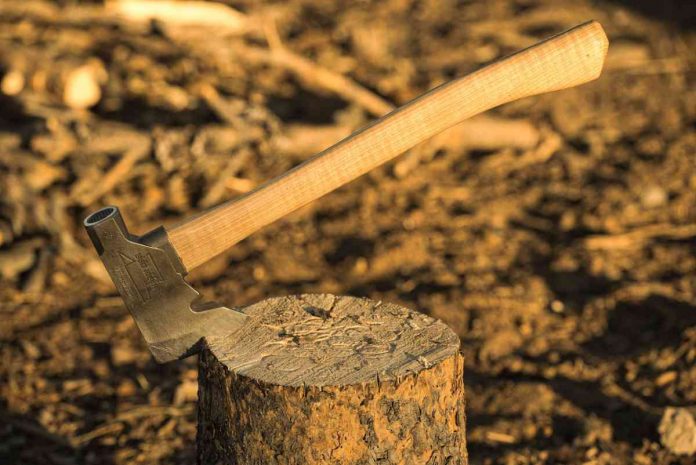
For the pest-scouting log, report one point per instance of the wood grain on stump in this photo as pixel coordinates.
(319, 379)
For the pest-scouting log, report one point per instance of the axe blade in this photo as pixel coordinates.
(150, 278)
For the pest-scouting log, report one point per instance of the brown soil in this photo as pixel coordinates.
(567, 268)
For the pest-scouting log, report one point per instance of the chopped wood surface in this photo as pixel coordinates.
(317, 340)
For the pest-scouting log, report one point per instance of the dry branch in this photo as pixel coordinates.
(181, 14)
(638, 237)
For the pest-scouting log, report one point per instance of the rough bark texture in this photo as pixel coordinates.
(319, 379)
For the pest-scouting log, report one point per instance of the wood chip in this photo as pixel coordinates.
(82, 88)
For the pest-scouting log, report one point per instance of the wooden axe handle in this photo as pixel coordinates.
(568, 59)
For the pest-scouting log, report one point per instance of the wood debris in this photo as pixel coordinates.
(584, 197)
(181, 14)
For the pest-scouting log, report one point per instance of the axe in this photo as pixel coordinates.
(149, 270)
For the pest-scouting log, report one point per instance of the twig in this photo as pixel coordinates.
(484, 133)
(318, 77)
(92, 189)
(218, 190)
(103, 430)
(181, 13)
(116, 425)
(639, 236)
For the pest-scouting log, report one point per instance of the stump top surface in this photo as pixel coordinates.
(325, 340)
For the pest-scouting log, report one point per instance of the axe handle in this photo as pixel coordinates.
(568, 59)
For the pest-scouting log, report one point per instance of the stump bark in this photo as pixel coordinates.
(319, 379)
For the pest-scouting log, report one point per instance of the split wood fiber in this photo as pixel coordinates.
(566, 60)
(320, 379)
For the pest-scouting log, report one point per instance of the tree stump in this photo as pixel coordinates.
(319, 379)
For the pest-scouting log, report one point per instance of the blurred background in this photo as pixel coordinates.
(556, 235)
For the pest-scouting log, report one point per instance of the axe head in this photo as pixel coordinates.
(149, 275)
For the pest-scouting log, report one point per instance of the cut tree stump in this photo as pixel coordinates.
(320, 379)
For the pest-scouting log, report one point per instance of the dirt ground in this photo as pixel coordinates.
(558, 238)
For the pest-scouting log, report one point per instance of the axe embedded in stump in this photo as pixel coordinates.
(149, 271)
